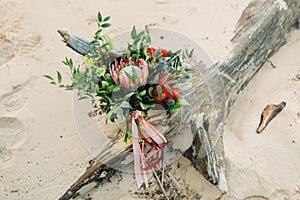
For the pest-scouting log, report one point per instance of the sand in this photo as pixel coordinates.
(41, 154)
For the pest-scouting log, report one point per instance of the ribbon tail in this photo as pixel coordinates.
(136, 154)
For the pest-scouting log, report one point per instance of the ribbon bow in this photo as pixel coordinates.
(150, 135)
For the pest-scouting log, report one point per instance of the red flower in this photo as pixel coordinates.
(164, 90)
(163, 52)
(152, 50)
(164, 94)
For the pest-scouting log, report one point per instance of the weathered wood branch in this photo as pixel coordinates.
(262, 29)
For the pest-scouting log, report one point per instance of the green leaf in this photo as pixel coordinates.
(83, 97)
(155, 80)
(164, 79)
(99, 17)
(126, 137)
(70, 62)
(110, 88)
(174, 106)
(119, 112)
(105, 25)
(150, 90)
(138, 97)
(48, 77)
(117, 89)
(157, 53)
(146, 106)
(109, 116)
(128, 95)
(97, 33)
(135, 75)
(104, 84)
(191, 53)
(147, 29)
(94, 41)
(100, 71)
(139, 35)
(142, 93)
(129, 76)
(97, 89)
(133, 33)
(53, 82)
(106, 18)
(125, 104)
(159, 90)
(178, 52)
(169, 89)
(59, 78)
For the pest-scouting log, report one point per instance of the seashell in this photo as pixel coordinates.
(268, 114)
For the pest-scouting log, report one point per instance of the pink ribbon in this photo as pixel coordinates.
(144, 162)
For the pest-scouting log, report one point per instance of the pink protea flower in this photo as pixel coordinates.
(131, 74)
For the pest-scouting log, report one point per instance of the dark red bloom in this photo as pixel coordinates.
(161, 93)
(164, 94)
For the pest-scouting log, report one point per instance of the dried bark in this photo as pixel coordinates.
(262, 29)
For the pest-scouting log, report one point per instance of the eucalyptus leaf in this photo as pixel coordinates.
(99, 17)
(48, 77)
(169, 89)
(191, 53)
(133, 33)
(159, 90)
(147, 29)
(83, 97)
(128, 95)
(59, 78)
(125, 104)
(105, 25)
(157, 53)
(165, 78)
(106, 18)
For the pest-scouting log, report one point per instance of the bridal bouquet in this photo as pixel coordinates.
(126, 84)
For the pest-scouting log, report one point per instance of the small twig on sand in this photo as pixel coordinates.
(269, 61)
(160, 184)
(162, 172)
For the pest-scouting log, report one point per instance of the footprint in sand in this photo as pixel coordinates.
(13, 134)
(28, 43)
(12, 102)
(13, 40)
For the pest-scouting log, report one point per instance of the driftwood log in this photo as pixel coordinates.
(261, 30)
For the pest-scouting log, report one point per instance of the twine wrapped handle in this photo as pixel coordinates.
(150, 135)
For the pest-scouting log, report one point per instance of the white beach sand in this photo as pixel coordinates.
(41, 154)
